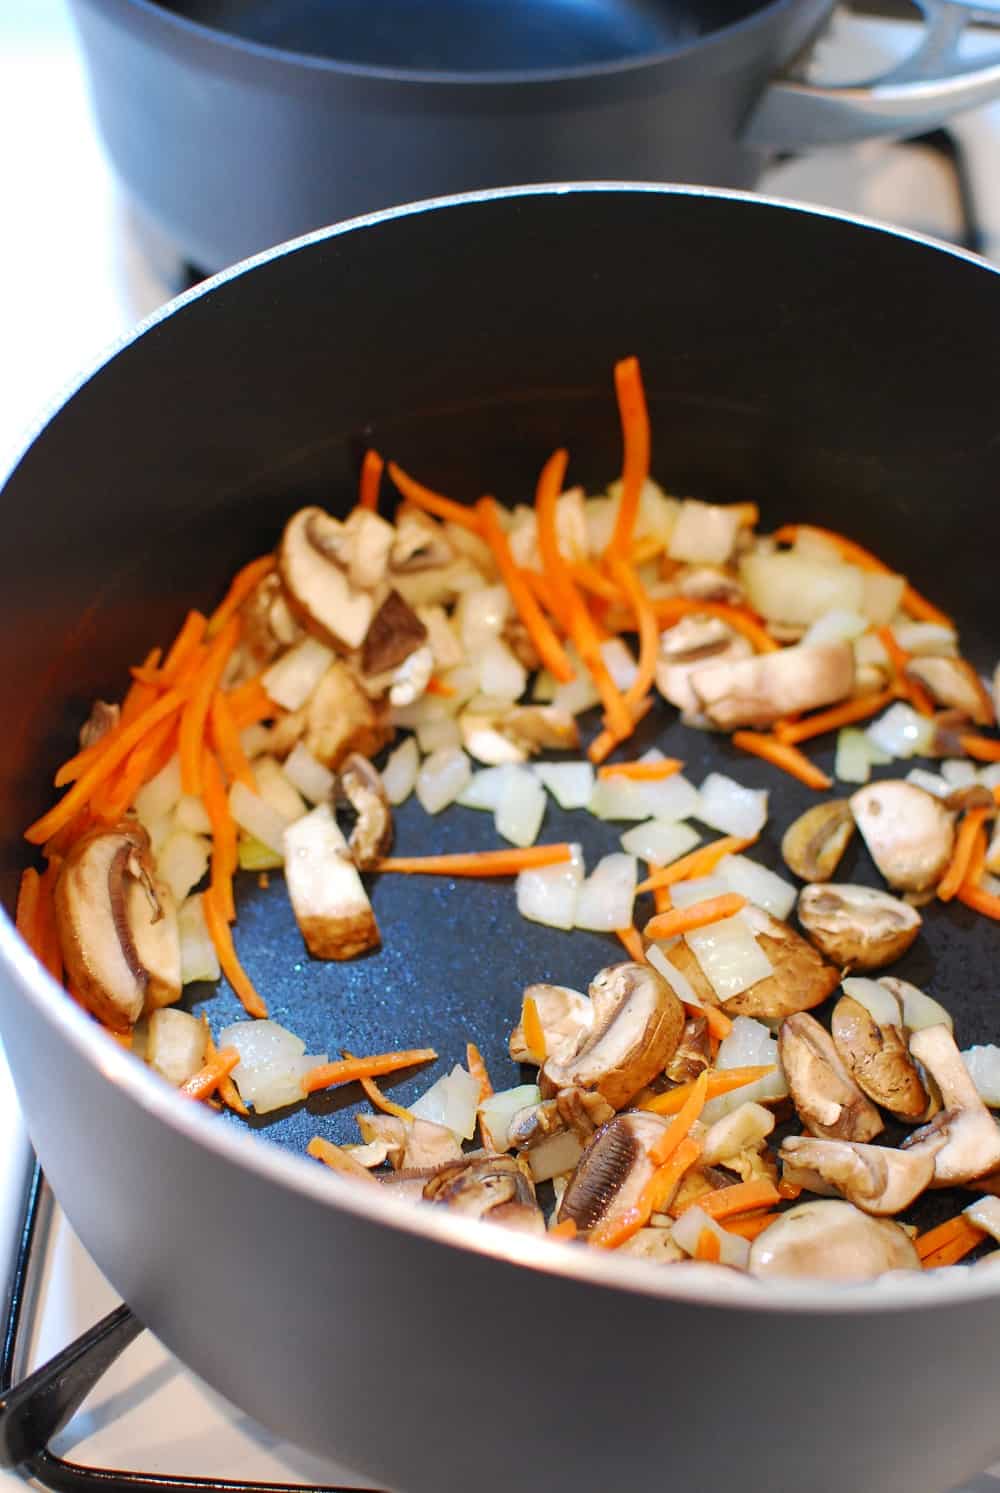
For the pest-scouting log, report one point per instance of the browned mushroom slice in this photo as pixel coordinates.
(858, 926)
(909, 833)
(542, 728)
(387, 1131)
(613, 1170)
(330, 569)
(802, 978)
(879, 1060)
(395, 632)
(498, 734)
(760, 690)
(832, 1241)
(497, 1188)
(103, 718)
(694, 1052)
(971, 1135)
(638, 1022)
(268, 626)
(340, 719)
(828, 1101)
(420, 543)
(814, 843)
(710, 583)
(362, 786)
(107, 905)
(330, 904)
(566, 1017)
(874, 1178)
(690, 645)
(952, 683)
(656, 1245)
(430, 1144)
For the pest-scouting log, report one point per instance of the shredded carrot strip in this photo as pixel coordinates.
(550, 650)
(478, 1070)
(695, 1099)
(565, 1230)
(225, 857)
(352, 1070)
(228, 1092)
(226, 740)
(440, 687)
(116, 795)
(789, 1190)
(218, 929)
(949, 1242)
(250, 703)
(918, 606)
(433, 502)
(478, 862)
(699, 915)
(371, 479)
(718, 1080)
(242, 584)
(646, 624)
(673, 608)
(792, 732)
(788, 758)
(642, 772)
(203, 1084)
(338, 1160)
(645, 549)
(636, 441)
(195, 714)
(708, 1247)
(700, 862)
(82, 790)
(534, 1032)
(547, 599)
(65, 838)
(719, 1024)
(979, 900)
(910, 689)
(136, 702)
(589, 578)
(658, 1191)
(749, 1228)
(138, 696)
(977, 860)
(631, 938)
(604, 744)
(980, 747)
(965, 843)
(742, 1197)
(383, 1102)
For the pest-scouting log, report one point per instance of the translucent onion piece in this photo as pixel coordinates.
(544, 688)
(570, 783)
(314, 781)
(521, 809)
(958, 773)
(399, 775)
(607, 895)
(480, 617)
(759, 885)
(500, 674)
(433, 735)
(485, 788)
(671, 799)
(553, 1156)
(688, 1229)
(837, 626)
(272, 1063)
(789, 587)
(451, 1102)
(160, 796)
(182, 861)
(877, 1000)
(550, 894)
(441, 778)
(989, 776)
(291, 680)
(660, 841)
(902, 732)
(730, 808)
(275, 789)
(930, 782)
(749, 1045)
(983, 1064)
(730, 957)
(175, 1044)
(924, 639)
(199, 960)
(675, 978)
(191, 814)
(580, 693)
(985, 1214)
(258, 818)
(427, 708)
(499, 1109)
(697, 889)
(255, 740)
(619, 661)
(704, 533)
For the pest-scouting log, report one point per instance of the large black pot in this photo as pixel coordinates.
(238, 123)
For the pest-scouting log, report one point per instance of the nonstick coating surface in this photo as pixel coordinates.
(805, 362)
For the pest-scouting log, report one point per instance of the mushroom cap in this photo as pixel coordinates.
(319, 589)
(858, 927)
(691, 644)
(971, 1135)
(497, 1188)
(879, 1060)
(828, 1101)
(953, 684)
(802, 978)
(760, 690)
(814, 843)
(613, 1170)
(833, 1241)
(909, 833)
(394, 633)
(877, 1179)
(362, 786)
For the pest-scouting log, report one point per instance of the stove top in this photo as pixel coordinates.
(75, 275)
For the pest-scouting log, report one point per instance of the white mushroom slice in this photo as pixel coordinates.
(107, 907)
(760, 690)
(704, 533)
(496, 1188)
(638, 1022)
(384, 1130)
(953, 683)
(330, 904)
(371, 837)
(566, 1017)
(857, 926)
(874, 1178)
(691, 644)
(313, 560)
(656, 1245)
(829, 1102)
(878, 1058)
(267, 622)
(430, 1144)
(909, 833)
(612, 1171)
(709, 583)
(175, 1045)
(419, 543)
(831, 1241)
(813, 845)
(972, 1138)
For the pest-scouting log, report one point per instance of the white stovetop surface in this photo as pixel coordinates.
(72, 281)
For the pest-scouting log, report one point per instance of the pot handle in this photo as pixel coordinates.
(933, 83)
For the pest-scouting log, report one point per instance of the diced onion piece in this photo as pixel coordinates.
(199, 961)
(399, 775)
(812, 545)
(314, 781)
(749, 1045)
(427, 708)
(550, 894)
(160, 796)
(607, 895)
(688, 1229)
(959, 773)
(985, 1214)
(272, 1063)
(925, 639)
(837, 626)
(275, 789)
(441, 637)
(291, 680)
(704, 533)
(882, 596)
(259, 819)
(554, 1155)
(760, 886)
(182, 861)
(670, 799)
(255, 739)
(441, 778)
(255, 856)
(480, 617)
(902, 732)
(175, 1044)
(434, 735)
(930, 782)
(159, 831)
(920, 1009)
(619, 663)
(496, 1113)
(697, 889)
(191, 814)
(580, 693)
(570, 783)
(521, 809)
(989, 776)
(500, 674)
(485, 788)
(675, 978)
(730, 957)
(452, 1101)
(789, 587)
(983, 1064)
(660, 841)
(878, 1001)
(730, 808)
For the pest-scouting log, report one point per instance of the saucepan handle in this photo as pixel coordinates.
(933, 83)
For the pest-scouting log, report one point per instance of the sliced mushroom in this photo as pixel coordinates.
(971, 1135)
(566, 1017)
(814, 844)
(710, 583)
(388, 1131)
(858, 926)
(496, 1188)
(430, 1144)
(694, 1052)
(362, 786)
(694, 642)
(496, 733)
(268, 626)
(103, 718)
(829, 1102)
(909, 833)
(831, 1241)
(613, 1170)
(315, 558)
(802, 978)
(330, 904)
(952, 683)
(874, 1178)
(879, 1060)
(419, 544)
(521, 644)
(107, 905)
(341, 719)
(395, 632)
(638, 1022)
(760, 690)
(542, 728)
(656, 1245)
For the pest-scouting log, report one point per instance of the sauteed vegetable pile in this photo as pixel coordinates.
(685, 1105)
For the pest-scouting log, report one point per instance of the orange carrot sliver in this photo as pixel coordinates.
(565, 1230)
(226, 740)
(243, 583)
(646, 624)
(383, 1102)
(612, 1232)
(910, 689)
(478, 1069)
(977, 860)
(708, 1247)
(195, 713)
(371, 479)
(47, 931)
(338, 1160)
(233, 970)
(750, 1227)
(440, 687)
(672, 608)
(699, 915)
(433, 502)
(534, 1032)
(791, 732)
(742, 1197)
(228, 1092)
(965, 844)
(982, 748)
(352, 1070)
(788, 758)
(224, 845)
(631, 939)
(979, 900)
(718, 1081)
(603, 745)
(115, 796)
(203, 1084)
(589, 578)
(701, 862)
(642, 772)
(949, 1242)
(478, 862)
(550, 650)
(636, 441)
(250, 703)
(685, 1115)
(719, 1024)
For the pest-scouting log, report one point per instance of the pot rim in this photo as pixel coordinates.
(708, 1284)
